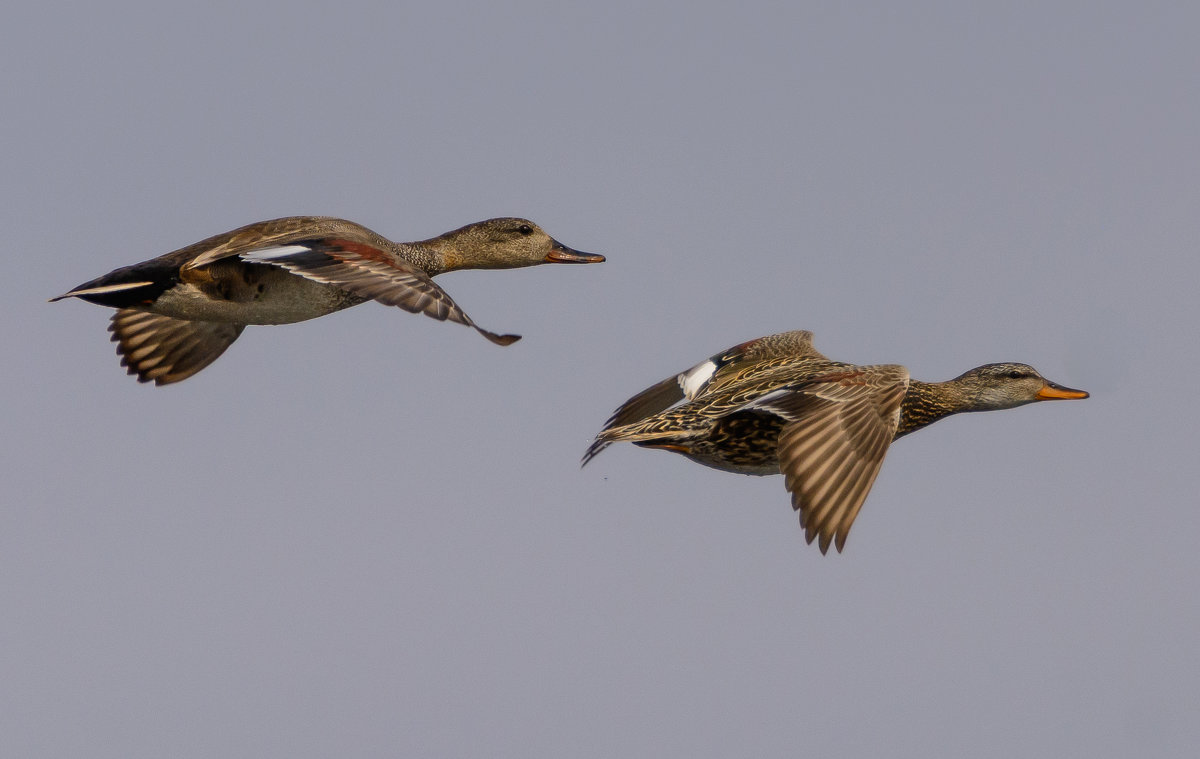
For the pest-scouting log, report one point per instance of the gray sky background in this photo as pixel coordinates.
(368, 535)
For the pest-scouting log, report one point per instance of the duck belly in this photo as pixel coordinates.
(760, 468)
(746, 442)
(271, 299)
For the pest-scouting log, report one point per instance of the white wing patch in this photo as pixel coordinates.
(693, 380)
(269, 255)
(767, 400)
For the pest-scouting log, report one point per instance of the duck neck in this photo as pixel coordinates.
(434, 256)
(927, 402)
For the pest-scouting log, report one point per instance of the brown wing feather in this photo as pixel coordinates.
(367, 270)
(831, 450)
(165, 350)
(794, 344)
(732, 365)
(744, 361)
(269, 234)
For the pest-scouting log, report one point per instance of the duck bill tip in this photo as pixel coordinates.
(1052, 392)
(561, 254)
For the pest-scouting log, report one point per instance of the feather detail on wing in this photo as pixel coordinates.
(830, 451)
(369, 272)
(165, 350)
(734, 364)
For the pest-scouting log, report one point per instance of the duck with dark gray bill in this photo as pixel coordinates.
(177, 313)
(775, 405)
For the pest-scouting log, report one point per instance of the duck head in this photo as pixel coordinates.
(1007, 385)
(506, 243)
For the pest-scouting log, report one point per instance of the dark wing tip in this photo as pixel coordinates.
(499, 339)
(593, 450)
(822, 543)
(813, 531)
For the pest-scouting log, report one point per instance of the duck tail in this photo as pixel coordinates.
(124, 288)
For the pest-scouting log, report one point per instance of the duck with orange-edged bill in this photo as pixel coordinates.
(777, 406)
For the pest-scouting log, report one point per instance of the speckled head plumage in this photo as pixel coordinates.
(505, 242)
(1010, 384)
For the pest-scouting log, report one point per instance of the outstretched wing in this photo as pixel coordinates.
(839, 427)
(164, 350)
(370, 272)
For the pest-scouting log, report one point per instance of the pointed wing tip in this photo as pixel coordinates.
(159, 380)
(498, 339)
(593, 451)
(824, 544)
(811, 533)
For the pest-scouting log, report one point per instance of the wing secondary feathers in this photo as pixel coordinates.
(369, 272)
(830, 451)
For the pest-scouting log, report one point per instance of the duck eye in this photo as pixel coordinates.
(1015, 374)
(525, 229)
